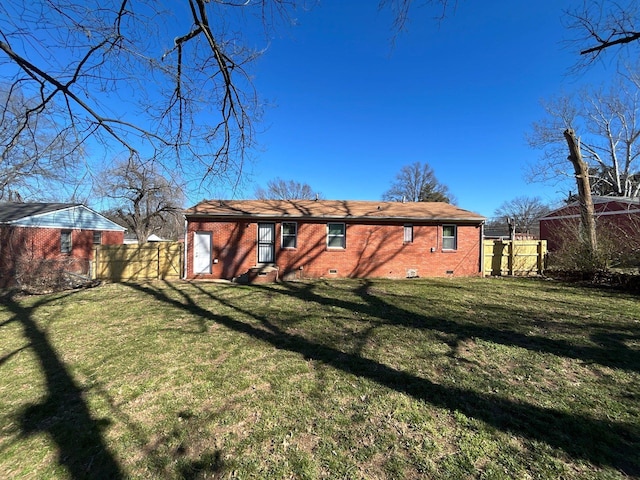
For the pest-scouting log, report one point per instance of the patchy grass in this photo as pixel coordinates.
(450, 378)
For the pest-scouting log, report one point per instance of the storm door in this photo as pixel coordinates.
(266, 242)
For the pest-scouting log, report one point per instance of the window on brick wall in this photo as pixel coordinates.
(336, 235)
(97, 238)
(449, 237)
(289, 234)
(408, 234)
(65, 241)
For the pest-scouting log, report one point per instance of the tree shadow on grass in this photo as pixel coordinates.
(611, 350)
(209, 463)
(601, 442)
(63, 414)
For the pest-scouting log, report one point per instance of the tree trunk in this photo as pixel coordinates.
(587, 216)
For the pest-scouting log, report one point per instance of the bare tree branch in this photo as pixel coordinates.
(146, 80)
(279, 189)
(87, 59)
(601, 25)
(609, 121)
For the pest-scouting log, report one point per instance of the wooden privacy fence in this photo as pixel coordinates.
(518, 257)
(138, 262)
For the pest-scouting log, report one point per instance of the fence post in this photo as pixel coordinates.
(93, 265)
(541, 254)
(511, 257)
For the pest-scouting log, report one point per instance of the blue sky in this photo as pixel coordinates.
(349, 106)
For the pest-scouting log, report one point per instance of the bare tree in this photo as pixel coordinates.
(133, 76)
(601, 25)
(144, 79)
(417, 183)
(144, 201)
(525, 212)
(279, 189)
(36, 154)
(609, 122)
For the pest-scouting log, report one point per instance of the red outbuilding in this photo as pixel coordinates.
(617, 219)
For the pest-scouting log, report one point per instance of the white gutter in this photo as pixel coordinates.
(601, 214)
(339, 217)
(482, 249)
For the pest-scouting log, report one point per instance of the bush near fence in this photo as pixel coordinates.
(158, 260)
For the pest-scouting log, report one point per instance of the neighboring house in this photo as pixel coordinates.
(40, 237)
(131, 239)
(324, 238)
(616, 217)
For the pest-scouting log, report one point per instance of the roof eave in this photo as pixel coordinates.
(334, 217)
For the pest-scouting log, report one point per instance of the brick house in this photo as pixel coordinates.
(617, 218)
(330, 239)
(40, 238)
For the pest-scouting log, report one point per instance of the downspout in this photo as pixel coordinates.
(482, 249)
(184, 272)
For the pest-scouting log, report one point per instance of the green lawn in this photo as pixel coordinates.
(447, 378)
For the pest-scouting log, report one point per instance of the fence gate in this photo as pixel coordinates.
(519, 257)
(150, 261)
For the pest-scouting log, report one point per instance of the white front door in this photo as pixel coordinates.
(202, 252)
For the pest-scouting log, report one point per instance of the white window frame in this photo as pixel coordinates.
(450, 238)
(342, 236)
(66, 246)
(97, 235)
(294, 235)
(408, 233)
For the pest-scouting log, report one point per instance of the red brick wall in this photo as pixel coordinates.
(372, 250)
(29, 246)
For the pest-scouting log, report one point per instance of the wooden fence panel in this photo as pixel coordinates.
(520, 257)
(170, 260)
(138, 262)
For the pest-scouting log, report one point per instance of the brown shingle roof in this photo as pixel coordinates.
(333, 209)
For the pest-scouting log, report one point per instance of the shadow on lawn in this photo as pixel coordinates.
(600, 442)
(63, 414)
(613, 351)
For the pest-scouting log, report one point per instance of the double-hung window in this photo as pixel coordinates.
(408, 234)
(97, 237)
(449, 237)
(65, 241)
(289, 234)
(336, 235)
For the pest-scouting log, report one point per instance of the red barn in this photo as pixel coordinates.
(331, 239)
